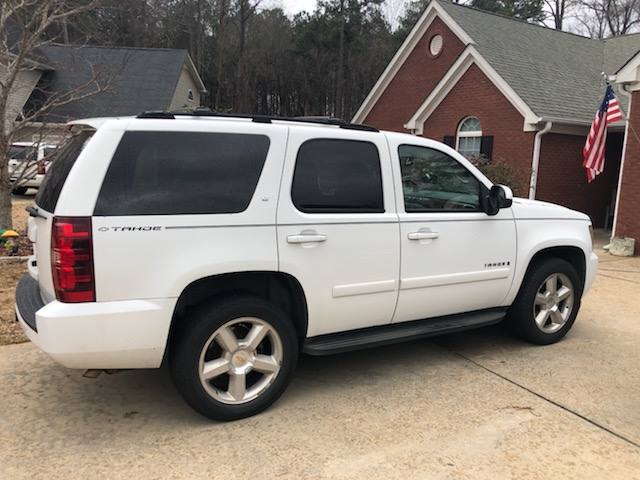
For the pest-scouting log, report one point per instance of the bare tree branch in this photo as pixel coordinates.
(23, 30)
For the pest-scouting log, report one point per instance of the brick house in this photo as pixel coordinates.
(521, 94)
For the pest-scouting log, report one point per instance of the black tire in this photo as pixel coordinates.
(20, 190)
(521, 318)
(204, 321)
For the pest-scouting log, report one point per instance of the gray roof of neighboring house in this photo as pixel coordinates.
(558, 74)
(137, 79)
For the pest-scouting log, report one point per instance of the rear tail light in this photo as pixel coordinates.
(41, 170)
(72, 259)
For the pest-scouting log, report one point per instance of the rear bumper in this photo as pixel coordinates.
(100, 335)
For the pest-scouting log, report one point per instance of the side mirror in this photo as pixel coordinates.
(497, 198)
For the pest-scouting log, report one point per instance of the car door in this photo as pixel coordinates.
(338, 228)
(455, 258)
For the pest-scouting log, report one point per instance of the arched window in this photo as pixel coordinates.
(469, 138)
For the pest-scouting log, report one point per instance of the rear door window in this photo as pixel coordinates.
(61, 165)
(337, 176)
(173, 173)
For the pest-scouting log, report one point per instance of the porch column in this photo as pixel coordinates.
(627, 223)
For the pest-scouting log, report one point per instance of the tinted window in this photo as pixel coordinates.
(434, 181)
(337, 176)
(66, 157)
(19, 152)
(48, 151)
(172, 173)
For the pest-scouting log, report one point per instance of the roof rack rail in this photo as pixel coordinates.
(157, 114)
(207, 112)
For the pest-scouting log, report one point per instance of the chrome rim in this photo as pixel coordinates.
(240, 360)
(554, 303)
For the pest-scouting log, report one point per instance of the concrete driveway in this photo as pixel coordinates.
(472, 405)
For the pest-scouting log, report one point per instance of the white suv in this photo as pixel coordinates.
(228, 245)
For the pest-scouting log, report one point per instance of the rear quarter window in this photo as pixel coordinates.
(61, 163)
(173, 173)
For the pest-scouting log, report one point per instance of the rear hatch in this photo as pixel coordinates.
(41, 216)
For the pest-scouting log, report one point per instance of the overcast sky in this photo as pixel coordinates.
(292, 6)
(295, 6)
(392, 9)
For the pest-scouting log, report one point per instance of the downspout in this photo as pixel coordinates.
(626, 93)
(535, 161)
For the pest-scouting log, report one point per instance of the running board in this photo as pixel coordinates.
(400, 332)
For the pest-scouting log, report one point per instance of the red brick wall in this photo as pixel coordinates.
(629, 210)
(417, 77)
(562, 180)
(475, 95)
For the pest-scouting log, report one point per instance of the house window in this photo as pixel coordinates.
(435, 45)
(469, 138)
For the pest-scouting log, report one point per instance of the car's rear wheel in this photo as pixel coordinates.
(234, 358)
(548, 302)
(20, 190)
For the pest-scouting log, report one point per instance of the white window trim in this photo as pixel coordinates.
(469, 57)
(469, 133)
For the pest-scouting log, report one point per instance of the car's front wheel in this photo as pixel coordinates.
(234, 357)
(548, 302)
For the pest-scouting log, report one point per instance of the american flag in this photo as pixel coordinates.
(593, 151)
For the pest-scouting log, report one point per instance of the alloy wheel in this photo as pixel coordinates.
(553, 303)
(240, 360)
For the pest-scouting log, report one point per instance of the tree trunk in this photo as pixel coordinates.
(6, 220)
(65, 31)
(220, 52)
(339, 110)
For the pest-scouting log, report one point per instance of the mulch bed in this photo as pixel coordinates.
(20, 247)
(10, 331)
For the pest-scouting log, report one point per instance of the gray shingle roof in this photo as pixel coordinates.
(558, 74)
(619, 50)
(138, 79)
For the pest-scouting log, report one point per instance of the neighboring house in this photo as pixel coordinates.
(133, 80)
(25, 82)
(521, 94)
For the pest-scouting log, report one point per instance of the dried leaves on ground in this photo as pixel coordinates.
(10, 331)
(10, 273)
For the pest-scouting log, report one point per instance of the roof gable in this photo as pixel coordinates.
(558, 75)
(415, 35)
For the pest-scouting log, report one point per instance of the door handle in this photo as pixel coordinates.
(423, 235)
(307, 238)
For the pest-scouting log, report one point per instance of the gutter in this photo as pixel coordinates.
(535, 161)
